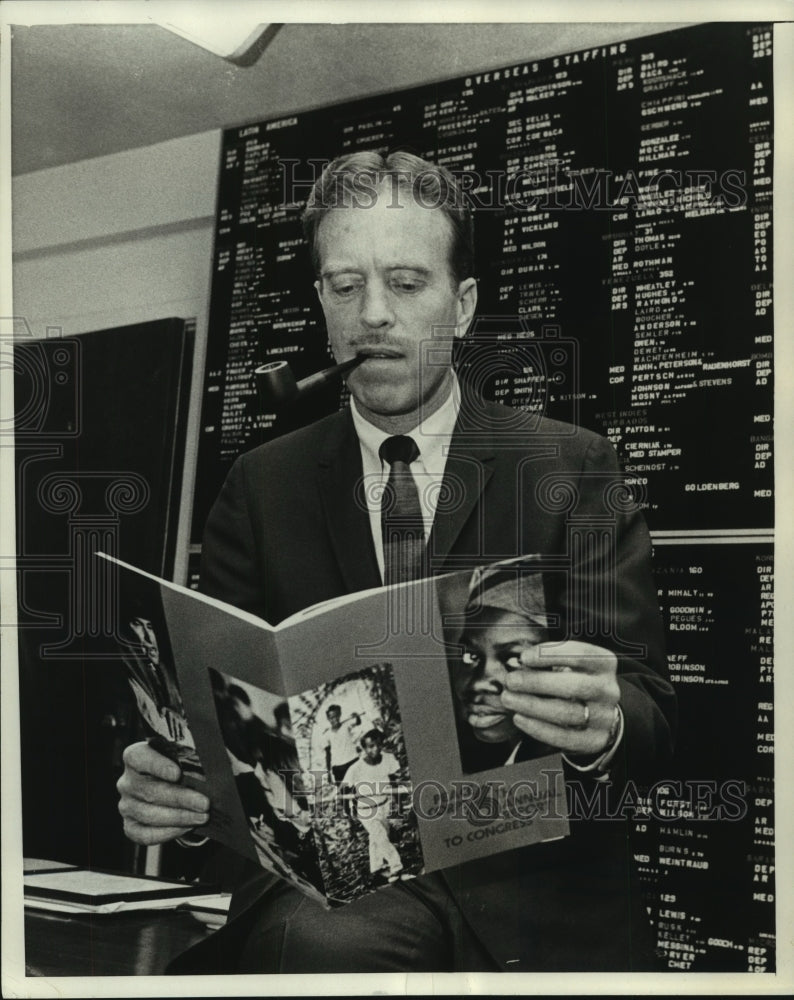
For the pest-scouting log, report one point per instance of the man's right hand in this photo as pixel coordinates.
(154, 806)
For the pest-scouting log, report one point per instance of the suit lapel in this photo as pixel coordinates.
(340, 472)
(468, 469)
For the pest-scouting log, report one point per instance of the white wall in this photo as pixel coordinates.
(121, 239)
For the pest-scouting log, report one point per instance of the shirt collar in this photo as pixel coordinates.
(432, 435)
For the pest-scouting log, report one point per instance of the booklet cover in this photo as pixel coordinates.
(360, 741)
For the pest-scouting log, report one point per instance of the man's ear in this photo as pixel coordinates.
(467, 305)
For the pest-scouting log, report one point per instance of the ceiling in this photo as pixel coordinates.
(80, 91)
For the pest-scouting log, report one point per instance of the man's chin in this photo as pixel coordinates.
(384, 394)
(382, 400)
(492, 738)
(491, 728)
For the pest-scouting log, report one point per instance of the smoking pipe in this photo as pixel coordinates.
(277, 381)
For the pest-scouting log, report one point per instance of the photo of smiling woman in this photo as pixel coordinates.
(505, 616)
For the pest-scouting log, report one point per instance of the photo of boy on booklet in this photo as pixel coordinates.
(153, 681)
(374, 777)
(505, 616)
(341, 741)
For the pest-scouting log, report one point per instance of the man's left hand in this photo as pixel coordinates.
(565, 695)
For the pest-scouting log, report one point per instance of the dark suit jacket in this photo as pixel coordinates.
(286, 532)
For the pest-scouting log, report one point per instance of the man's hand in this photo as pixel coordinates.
(565, 695)
(154, 807)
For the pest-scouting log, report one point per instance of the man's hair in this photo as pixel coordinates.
(136, 608)
(352, 181)
(235, 691)
(373, 734)
(333, 708)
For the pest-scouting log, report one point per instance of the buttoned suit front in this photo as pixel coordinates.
(290, 529)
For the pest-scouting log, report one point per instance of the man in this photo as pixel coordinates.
(157, 695)
(369, 776)
(154, 677)
(391, 243)
(340, 742)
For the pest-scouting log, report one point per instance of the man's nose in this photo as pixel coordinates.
(489, 678)
(376, 309)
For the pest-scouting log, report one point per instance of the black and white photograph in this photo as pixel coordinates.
(257, 733)
(350, 741)
(504, 619)
(146, 652)
(434, 366)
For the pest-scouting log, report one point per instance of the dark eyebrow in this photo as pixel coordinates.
(501, 646)
(424, 271)
(416, 268)
(339, 270)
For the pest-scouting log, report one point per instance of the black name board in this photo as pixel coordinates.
(622, 200)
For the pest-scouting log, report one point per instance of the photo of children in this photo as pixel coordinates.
(505, 614)
(257, 732)
(364, 822)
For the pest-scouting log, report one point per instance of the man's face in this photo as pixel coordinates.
(490, 653)
(144, 630)
(334, 719)
(386, 289)
(244, 711)
(371, 748)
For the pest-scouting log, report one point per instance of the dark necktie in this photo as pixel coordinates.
(402, 525)
(158, 684)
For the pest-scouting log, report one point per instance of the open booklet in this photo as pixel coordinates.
(360, 741)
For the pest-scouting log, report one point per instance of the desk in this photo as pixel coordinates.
(140, 943)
